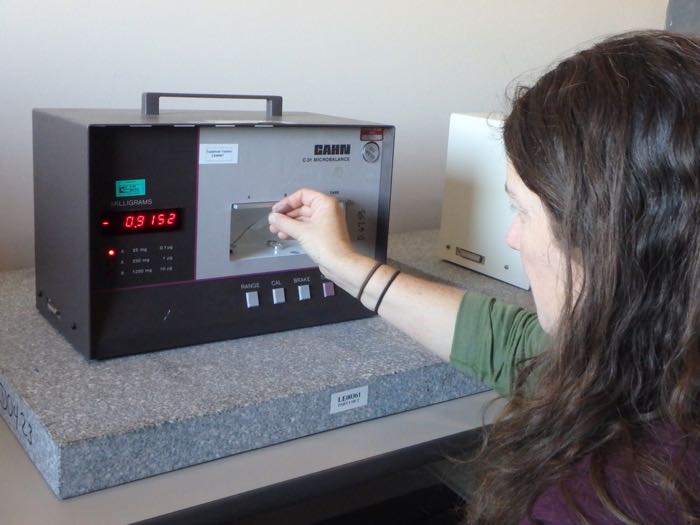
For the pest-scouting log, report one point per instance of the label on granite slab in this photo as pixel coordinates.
(16, 417)
(348, 399)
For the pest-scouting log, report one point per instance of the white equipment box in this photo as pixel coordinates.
(475, 210)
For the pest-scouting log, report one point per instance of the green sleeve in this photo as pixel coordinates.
(492, 337)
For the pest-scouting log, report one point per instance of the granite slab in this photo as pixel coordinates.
(88, 425)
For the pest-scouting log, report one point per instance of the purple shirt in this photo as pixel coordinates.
(640, 501)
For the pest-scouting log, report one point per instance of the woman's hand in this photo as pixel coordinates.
(424, 310)
(317, 221)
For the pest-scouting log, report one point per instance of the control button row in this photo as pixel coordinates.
(252, 299)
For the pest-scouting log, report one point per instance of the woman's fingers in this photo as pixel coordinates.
(304, 211)
(282, 224)
(298, 199)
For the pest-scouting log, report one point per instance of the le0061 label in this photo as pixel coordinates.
(348, 399)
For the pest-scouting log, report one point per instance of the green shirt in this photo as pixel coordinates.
(491, 337)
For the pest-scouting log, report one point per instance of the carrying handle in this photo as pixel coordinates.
(150, 101)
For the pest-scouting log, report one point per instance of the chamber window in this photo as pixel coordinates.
(251, 237)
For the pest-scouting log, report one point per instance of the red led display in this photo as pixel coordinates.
(143, 221)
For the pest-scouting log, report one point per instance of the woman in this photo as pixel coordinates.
(603, 419)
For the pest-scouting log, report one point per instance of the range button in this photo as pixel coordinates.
(251, 299)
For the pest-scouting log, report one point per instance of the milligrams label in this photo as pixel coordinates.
(218, 153)
(348, 399)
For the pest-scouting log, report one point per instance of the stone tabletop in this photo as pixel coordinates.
(82, 399)
(88, 425)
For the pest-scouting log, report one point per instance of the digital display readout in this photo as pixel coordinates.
(142, 221)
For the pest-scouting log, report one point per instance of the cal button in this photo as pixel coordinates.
(278, 295)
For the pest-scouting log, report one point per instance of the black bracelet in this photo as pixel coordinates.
(391, 280)
(369, 276)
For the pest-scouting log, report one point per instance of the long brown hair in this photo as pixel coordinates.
(610, 142)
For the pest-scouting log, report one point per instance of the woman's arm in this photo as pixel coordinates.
(424, 310)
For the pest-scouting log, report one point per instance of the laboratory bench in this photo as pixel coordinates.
(329, 472)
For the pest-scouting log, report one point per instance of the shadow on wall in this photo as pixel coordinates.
(683, 16)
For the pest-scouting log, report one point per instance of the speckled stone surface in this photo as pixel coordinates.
(415, 252)
(90, 425)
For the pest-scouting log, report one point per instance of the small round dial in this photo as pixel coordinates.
(371, 152)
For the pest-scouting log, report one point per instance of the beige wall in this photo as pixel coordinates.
(405, 62)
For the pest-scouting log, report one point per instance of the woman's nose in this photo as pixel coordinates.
(513, 234)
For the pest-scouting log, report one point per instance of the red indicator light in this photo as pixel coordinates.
(105, 223)
(111, 252)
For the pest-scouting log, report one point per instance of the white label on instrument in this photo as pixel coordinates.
(355, 398)
(218, 153)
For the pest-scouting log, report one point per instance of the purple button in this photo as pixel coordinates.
(328, 289)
